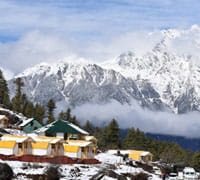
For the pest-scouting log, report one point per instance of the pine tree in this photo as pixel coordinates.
(88, 127)
(4, 92)
(129, 140)
(74, 121)
(111, 135)
(61, 116)
(29, 109)
(98, 133)
(39, 113)
(195, 162)
(68, 115)
(65, 116)
(136, 139)
(24, 102)
(172, 153)
(51, 107)
(17, 100)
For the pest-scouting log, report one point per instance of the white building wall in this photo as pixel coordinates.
(29, 148)
(61, 150)
(79, 153)
(90, 154)
(6, 151)
(73, 155)
(60, 135)
(49, 150)
(16, 150)
(39, 152)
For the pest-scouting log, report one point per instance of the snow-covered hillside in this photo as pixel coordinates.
(77, 84)
(109, 169)
(161, 78)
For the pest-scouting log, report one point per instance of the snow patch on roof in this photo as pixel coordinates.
(18, 139)
(25, 122)
(145, 153)
(45, 128)
(79, 143)
(89, 138)
(78, 129)
(51, 140)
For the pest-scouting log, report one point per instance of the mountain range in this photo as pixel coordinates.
(160, 79)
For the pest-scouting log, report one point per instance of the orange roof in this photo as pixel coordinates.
(72, 149)
(40, 145)
(7, 144)
(46, 137)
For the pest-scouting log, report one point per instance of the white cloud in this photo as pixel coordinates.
(134, 116)
(187, 43)
(33, 48)
(36, 46)
(139, 42)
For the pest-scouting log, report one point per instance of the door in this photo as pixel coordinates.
(53, 149)
(20, 147)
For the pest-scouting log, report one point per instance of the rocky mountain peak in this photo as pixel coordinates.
(161, 78)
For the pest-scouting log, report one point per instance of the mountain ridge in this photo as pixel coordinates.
(160, 79)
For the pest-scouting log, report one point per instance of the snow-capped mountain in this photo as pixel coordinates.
(175, 76)
(161, 78)
(76, 84)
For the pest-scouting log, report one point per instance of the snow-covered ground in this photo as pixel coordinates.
(111, 164)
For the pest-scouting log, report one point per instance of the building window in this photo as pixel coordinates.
(74, 137)
(53, 146)
(20, 145)
(65, 136)
(82, 149)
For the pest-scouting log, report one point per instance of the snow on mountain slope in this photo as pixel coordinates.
(175, 77)
(167, 76)
(77, 84)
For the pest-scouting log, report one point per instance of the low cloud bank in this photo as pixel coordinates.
(134, 116)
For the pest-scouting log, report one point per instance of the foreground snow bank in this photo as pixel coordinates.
(111, 168)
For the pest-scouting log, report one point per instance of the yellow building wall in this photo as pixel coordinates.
(136, 155)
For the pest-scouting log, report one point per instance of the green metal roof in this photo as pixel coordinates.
(60, 126)
(30, 127)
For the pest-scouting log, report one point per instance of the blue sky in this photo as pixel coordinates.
(94, 19)
(32, 31)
